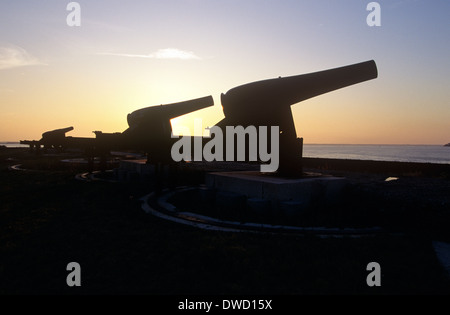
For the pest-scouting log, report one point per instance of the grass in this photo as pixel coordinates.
(48, 219)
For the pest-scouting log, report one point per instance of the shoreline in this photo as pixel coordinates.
(380, 167)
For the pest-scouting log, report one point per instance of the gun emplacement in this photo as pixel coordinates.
(268, 103)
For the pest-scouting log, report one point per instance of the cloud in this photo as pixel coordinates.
(12, 56)
(166, 53)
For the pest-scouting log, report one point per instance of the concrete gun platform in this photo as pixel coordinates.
(254, 184)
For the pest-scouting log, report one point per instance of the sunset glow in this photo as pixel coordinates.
(129, 55)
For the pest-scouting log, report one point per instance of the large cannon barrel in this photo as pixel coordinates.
(167, 112)
(262, 98)
(267, 103)
(150, 128)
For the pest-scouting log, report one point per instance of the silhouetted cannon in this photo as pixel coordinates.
(55, 138)
(56, 133)
(150, 128)
(268, 102)
(154, 121)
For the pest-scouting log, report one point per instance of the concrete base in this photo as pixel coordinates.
(284, 191)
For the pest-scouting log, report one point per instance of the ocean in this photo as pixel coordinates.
(13, 145)
(402, 153)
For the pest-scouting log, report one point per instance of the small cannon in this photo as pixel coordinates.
(55, 138)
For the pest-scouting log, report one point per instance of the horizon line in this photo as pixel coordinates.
(372, 144)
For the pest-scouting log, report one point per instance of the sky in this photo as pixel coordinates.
(126, 55)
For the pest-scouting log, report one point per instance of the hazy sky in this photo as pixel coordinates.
(131, 54)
